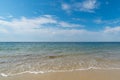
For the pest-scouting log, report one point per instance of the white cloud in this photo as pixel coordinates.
(25, 29)
(107, 34)
(112, 29)
(101, 21)
(53, 34)
(66, 7)
(65, 24)
(88, 5)
(85, 6)
(26, 24)
(98, 21)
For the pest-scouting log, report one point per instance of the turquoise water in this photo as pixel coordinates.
(20, 57)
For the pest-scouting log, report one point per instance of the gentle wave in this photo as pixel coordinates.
(42, 72)
(35, 58)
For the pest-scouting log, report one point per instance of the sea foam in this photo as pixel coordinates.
(42, 72)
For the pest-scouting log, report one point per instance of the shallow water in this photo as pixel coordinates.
(40, 57)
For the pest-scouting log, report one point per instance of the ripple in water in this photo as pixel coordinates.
(18, 58)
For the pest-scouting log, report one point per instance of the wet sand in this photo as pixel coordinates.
(74, 75)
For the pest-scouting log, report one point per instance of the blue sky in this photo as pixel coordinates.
(59, 20)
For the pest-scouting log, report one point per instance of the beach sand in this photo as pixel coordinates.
(73, 75)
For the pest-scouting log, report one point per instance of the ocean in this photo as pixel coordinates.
(42, 57)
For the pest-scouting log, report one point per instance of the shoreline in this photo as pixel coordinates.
(55, 71)
(91, 74)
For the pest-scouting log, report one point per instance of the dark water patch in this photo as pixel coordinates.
(55, 56)
(2, 62)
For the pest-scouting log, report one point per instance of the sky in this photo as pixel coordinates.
(60, 20)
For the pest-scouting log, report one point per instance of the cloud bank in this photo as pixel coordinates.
(39, 29)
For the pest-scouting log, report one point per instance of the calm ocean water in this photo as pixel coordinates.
(20, 57)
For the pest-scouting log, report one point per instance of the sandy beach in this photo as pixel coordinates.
(74, 75)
